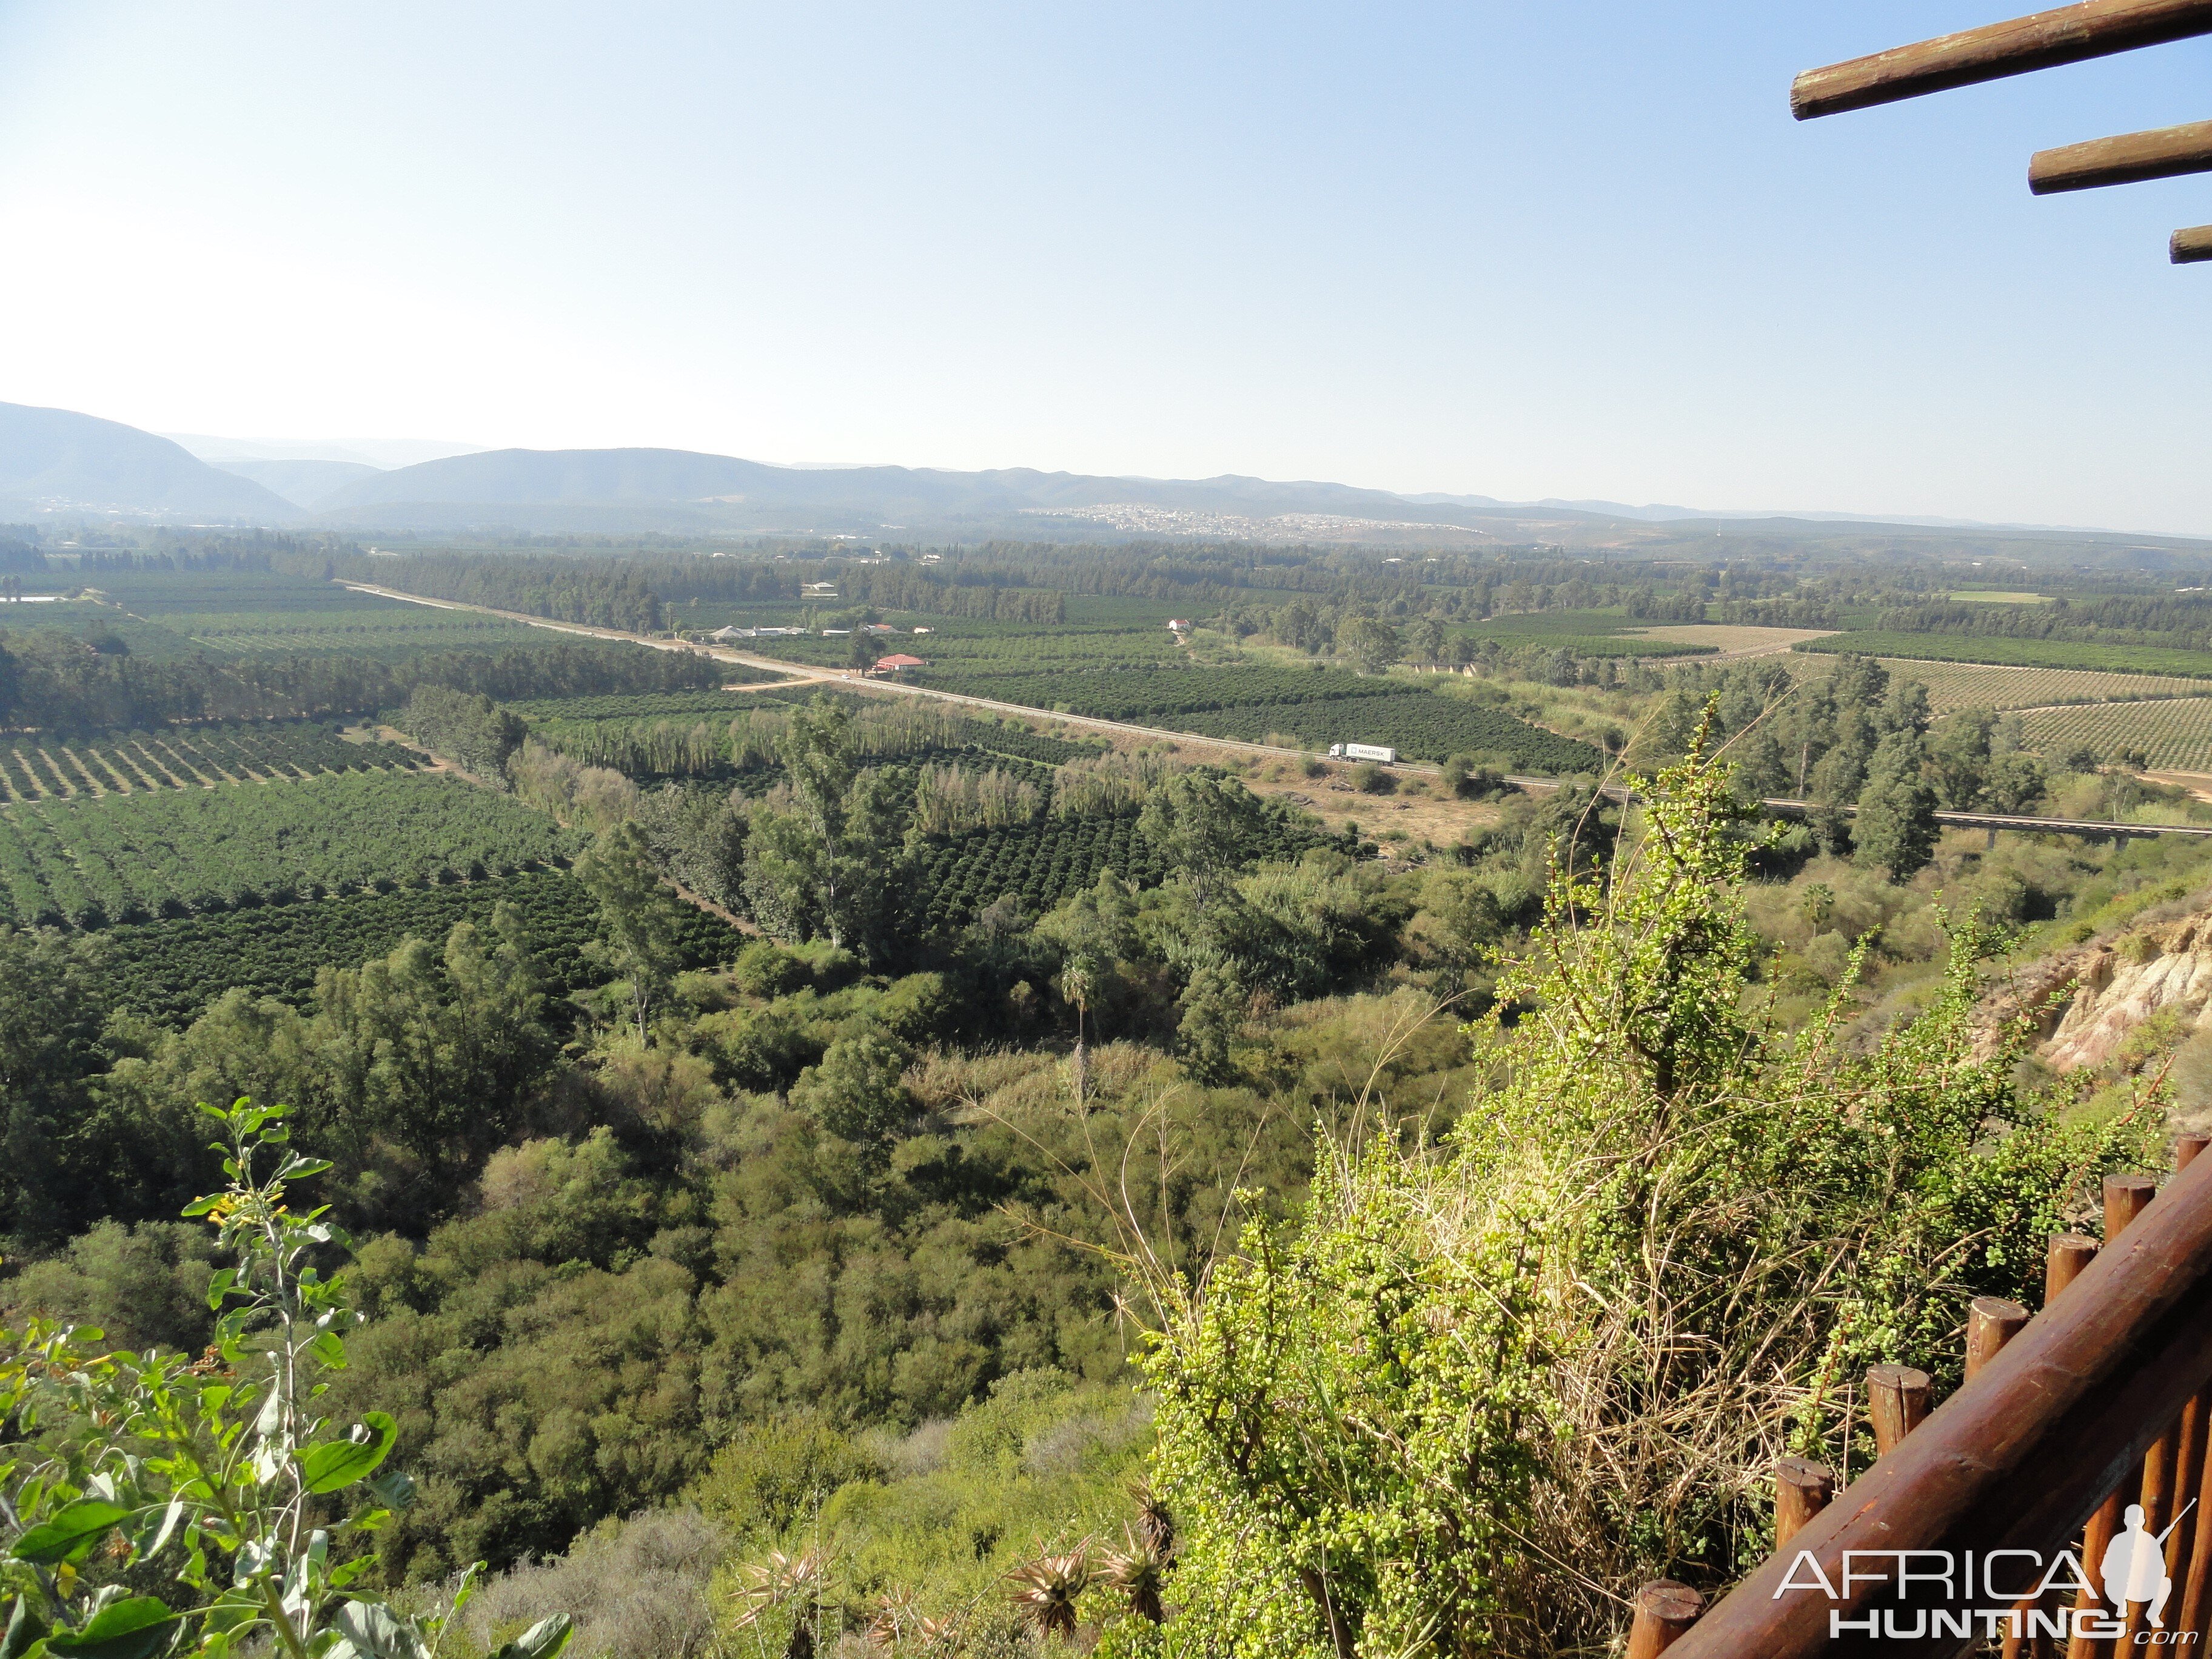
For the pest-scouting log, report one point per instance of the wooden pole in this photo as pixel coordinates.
(1992, 1321)
(1664, 1612)
(2126, 1197)
(1897, 1400)
(1802, 1489)
(2128, 159)
(2068, 1253)
(2068, 34)
(2190, 247)
(2064, 1259)
(2189, 1551)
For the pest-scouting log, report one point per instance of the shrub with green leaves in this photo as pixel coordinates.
(1487, 1386)
(217, 1482)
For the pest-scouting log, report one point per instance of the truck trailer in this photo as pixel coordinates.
(1363, 752)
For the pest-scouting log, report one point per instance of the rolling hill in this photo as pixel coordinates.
(57, 460)
(664, 486)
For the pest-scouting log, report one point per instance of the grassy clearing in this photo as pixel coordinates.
(1728, 636)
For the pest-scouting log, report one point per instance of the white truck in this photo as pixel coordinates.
(1363, 752)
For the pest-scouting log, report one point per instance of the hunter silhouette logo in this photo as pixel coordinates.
(2134, 1567)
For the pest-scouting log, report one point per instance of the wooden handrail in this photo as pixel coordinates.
(2128, 159)
(2190, 247)
(2068, 35)
(2018, 1458)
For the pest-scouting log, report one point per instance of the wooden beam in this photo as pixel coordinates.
(2069, 34)
(2190, 247)
(2164, 152)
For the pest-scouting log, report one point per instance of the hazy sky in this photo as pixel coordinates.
(1563, 248)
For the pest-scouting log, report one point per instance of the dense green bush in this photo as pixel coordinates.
(1485, 1388)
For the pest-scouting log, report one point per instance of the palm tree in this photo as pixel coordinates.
(1078, 979)
(1050, 1586)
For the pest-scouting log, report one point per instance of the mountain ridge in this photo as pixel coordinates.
(57, 459)
(61, 460)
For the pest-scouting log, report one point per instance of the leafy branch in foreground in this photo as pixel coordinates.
(216, 1483)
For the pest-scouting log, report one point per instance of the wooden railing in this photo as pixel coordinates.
(2023, 46)
(2065, 1420)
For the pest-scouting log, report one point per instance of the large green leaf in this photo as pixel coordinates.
(75, 1526)
(24, 1627)
(368, 1630)
(137, 1628)
(541, 1641)
(339, 1463)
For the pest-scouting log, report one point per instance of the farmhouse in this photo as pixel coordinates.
(897, 663)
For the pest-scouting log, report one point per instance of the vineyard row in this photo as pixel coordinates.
(87, 863)
(169, 970)
(44, 768)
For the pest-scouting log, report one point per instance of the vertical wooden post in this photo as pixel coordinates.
(1664, 1610)
(2069, 1253)
(2063, 1263)
(1992, 1321)
(1801, 1491)
(2173, 1469)
(2126, 1197)
(1897, 1400)
(2189, 1551)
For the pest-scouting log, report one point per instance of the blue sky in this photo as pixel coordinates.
(1571, 248)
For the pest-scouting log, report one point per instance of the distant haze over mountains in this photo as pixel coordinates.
(56, 462)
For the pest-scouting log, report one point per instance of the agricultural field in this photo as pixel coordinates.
(86, 862)
(1145, 696)
(645, 705)
(1971, 685)
(2173, 734)
(1422, 725)
(159, 593)
(2019, 653)
(377, 628)
(49, 767)
(1597, 633)
(1728, 636)
(89, 619)
(1044, 860)
(961, 643)
(168, 971)
(727, 741)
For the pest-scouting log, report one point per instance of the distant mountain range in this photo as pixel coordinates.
(56, 462)
(53, 460)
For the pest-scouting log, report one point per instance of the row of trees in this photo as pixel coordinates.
(50, 682)
(1858, 737)
(2178, 620)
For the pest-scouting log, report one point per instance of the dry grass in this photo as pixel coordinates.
(637, 1590)
(1731, 639)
